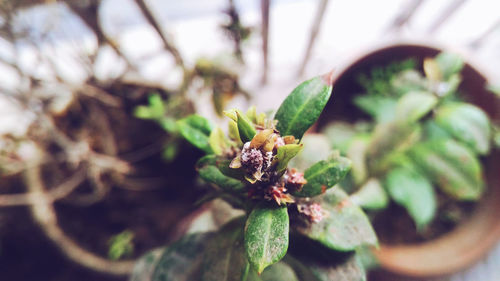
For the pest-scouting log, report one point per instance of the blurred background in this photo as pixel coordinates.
(88, 182)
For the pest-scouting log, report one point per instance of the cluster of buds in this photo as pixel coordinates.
(294, 180)
(278, 193)
(258, 160)
(314, 212)
(257, 155)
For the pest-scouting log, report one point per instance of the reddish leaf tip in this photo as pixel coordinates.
(328, 78)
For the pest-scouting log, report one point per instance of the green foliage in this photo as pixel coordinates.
(303, 106)
(266, 235)
(246, 128)
(379, 107)
(345, 228)
(196, 130)
(467, 123)
(371, 196)
(452, 166)
(324, 175)
(181, 261)
(155, 109)
(224, 257)
(218, 141)
(208, 171)
(414, 192)
(414, 105)
(449, 64)
(121, 245)
(285, 154)
(378, 82)
(422, 136)
(252, 170)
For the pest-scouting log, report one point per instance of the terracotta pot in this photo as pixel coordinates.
(472, 239)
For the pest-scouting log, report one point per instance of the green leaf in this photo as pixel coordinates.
(357, 154)
(155, 109)
(379, 107)
(452, 166)
(223, 165)
(414, 192)
(279, 271)
(252, 114)
(315, 148)
(217, 141)
(371, 196)
(431, 131)
(408, 81)
(323, 175)
(171, 151)
(285, 154)
(196, 130)
(351, 269)
(389, 139)
(208, 171)
(181, 261)
(449, 64)
(303, 106)
(345, 226)
(313, 263)
(496, 135)
(168, 124)
(414, 105)
(121, 245)
(339, 135)
(494, 89)
(466, 123)
(245, 127)
(224, 258)
(266, 235)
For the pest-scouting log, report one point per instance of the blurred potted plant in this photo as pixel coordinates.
(419, 138)
(295, 225)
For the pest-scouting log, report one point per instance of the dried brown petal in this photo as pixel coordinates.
(260, 138)
(314, 212)
(289, 139)
(236, 162)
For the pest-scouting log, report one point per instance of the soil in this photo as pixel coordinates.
(394, 225)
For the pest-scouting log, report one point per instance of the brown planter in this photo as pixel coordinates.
(472, 239)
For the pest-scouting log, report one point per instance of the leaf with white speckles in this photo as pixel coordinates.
(344, 227)
(266, 235)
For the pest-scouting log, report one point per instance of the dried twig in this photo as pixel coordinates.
(88, 12)
(314, 33)
(265, 38)
(146, 12)
(44, 214)
(450, 9)
(404, 15)
(57, 193)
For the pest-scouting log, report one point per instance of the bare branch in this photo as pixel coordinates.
(57, 193)
(89, 14)
(314, 33)
(265, 38)
(404, 15)
(44, 214)
(156, 25)
(450, 9)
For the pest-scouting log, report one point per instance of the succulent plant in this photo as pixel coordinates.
(297, 224)
(422, 135)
